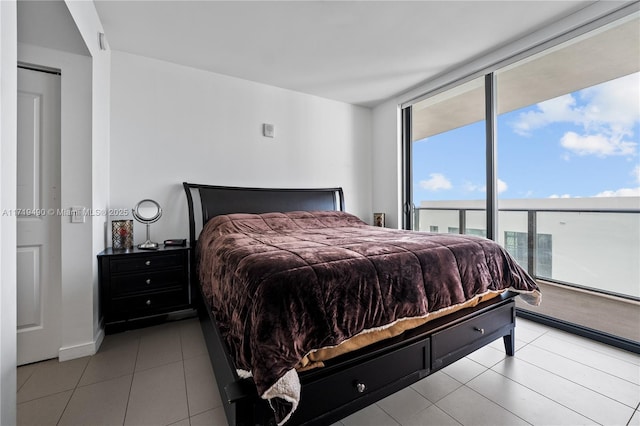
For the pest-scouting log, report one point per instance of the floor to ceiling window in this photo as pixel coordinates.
(448, 148)
(568, 168)
(568, 129)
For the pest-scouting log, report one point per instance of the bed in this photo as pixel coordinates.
(310, 314)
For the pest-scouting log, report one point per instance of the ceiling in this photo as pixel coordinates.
(560, 70)
(360, 52)
(49, 24)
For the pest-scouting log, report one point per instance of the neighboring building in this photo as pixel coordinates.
(589, 242)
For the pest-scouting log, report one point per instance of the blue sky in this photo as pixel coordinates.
(582, 144)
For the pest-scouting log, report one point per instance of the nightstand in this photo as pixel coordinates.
(142, 287)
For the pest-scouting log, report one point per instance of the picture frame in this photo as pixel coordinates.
(122, 234)
(378, 219)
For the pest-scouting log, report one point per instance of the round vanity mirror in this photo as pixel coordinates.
(147, 211)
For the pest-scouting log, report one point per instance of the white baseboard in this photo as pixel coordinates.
(79, 351)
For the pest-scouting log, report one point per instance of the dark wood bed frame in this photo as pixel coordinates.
(355, 380)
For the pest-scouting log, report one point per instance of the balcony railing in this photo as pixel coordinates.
(598, 250)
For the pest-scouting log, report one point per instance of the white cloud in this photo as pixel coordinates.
(606, 113)
(560, 196)
(472, 187)
(614, 102)
(502, 186)
(554, 110)
(622, 192)
(436, 182)
(636, 173)
(599, 145)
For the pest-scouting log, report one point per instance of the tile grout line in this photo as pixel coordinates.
(43, 396)
(587, 365)
(36, 367)
(557, 334)
(392, 416)
(484, 396)
(445, 395)
(550, 399)
(157, 365)
(27, 379)
(633, 414)
(580, 384)
(133, 375)
(447, 414)
(488, 399)
(205, 353)
(184, 375)
(74, 390)
(521, 384)
(552, 333)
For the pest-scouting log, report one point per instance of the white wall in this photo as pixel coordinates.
(386, 163)
(171, 123)
(8, 184)
(86, 18)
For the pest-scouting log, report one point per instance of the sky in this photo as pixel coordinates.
(582, 144)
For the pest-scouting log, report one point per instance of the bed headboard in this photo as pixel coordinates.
(207, 201)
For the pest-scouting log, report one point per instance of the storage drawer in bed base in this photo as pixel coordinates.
(362, 382)
(461, 339)
(328, 397)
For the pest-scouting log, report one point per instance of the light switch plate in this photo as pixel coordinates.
(268, 130)
(77, 214)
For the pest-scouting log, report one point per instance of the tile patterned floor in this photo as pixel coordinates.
(161, 376)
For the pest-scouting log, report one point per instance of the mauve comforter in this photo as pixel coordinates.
(284, 284)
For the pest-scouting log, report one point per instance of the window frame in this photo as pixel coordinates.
(407, 207)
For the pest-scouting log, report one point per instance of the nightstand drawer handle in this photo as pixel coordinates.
(148, 262)
(361, 387)
(148, 281)
(148, 302)
(479, 330)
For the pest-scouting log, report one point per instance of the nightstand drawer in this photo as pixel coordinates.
(148, 281)
(148, 262)
(149, 303)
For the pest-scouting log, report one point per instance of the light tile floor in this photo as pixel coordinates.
(162, 376)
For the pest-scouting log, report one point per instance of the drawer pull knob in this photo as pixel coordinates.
(479, 330)
(148, 262)
(148, 302)
(148, 281)
(361, 387)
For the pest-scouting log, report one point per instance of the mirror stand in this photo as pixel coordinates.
(148, 245)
